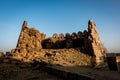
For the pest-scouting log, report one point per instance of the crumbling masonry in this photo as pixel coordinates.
(87, 41)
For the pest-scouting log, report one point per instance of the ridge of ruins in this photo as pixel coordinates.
(68, 56)
(88, 42)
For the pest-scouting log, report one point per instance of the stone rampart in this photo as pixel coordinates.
(88, 41)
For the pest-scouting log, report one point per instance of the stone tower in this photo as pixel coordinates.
(29, 39)
(21, 33)
(97, 46)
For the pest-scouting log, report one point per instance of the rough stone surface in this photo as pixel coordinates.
(29, 40)
(95, 43)
(1, 54)
(88, 42)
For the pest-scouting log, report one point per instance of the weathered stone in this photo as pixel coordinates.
(94, 39)
(8, 53)
(61, 37)
(29, 40)
(54, 37)
(43, 35)
(79, 34)
(1, 54)
(118, 62)
(68, 41)
(74, 35)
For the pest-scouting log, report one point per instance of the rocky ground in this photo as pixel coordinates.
(96, 74)
(67, 57)
(25, 71)
(64, 57)
(22, 66)
(16, 72)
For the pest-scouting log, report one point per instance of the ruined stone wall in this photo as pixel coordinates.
(88, 41)
(95, 43)
(29, 40)
(58, 41)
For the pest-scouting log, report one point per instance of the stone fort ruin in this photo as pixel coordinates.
(87, 41)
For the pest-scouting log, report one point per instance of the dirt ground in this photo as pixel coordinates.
(96, 74)
(15, 72)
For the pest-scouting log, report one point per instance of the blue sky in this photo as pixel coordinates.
(60, 16)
